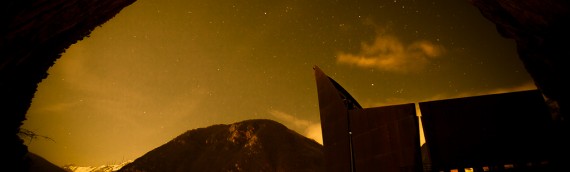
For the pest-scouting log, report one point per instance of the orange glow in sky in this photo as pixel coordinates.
(160, 68)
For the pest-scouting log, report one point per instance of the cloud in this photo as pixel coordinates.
(290, 119)
(55, 107)
(315, 132)
(389, 54)
(311, 130)
(522, 87)
(398, 100)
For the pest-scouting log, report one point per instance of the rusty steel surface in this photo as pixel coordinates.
(509, 128)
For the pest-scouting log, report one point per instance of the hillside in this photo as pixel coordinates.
(251, 145)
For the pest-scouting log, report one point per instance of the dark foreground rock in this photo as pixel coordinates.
(33, 34)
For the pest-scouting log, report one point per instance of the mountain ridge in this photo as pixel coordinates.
(250, 145)
(101, 168)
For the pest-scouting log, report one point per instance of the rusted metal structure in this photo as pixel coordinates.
(499, 132)
(366, 139)
(490, 132)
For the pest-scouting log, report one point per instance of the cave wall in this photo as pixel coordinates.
(33, 35)
(541, 33)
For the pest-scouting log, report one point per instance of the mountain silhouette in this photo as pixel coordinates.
(35, 162)
(251, 145)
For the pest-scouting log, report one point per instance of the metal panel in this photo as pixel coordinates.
(386, 138)
(489, 130)
(334, 124)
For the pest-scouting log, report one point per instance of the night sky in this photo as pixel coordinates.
(160, 68)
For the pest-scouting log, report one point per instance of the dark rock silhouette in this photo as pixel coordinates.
(251, 145)
(33, 35)
(37, 163)
(540, 30)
